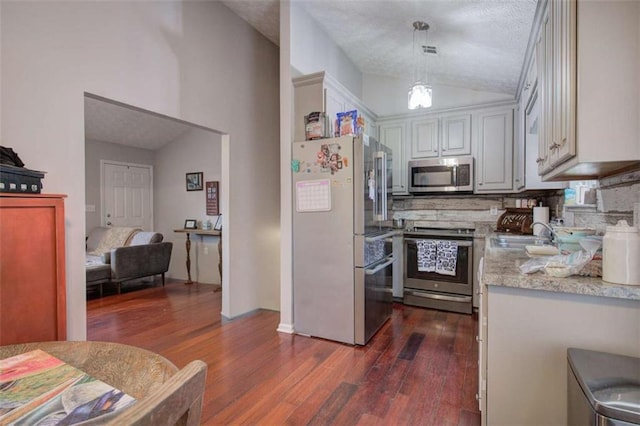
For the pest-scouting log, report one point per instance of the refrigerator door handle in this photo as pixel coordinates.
(381, 185)
(380, 237)
(379, 267)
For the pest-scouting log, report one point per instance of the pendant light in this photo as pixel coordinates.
(420, 95)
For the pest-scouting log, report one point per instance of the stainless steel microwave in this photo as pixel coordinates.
(441, 175)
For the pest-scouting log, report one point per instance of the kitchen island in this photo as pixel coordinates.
(527, 324)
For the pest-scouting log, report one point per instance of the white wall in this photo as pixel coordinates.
(312, 50)
(388, 96)
(96, 151)
(197, 151)
(196, 61)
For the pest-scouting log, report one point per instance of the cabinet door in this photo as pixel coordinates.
(370, 127)
(482, 344)
(494, 150)
(333, 104)
(519, 143)
(565, 45)
(456, 134)
(393, 136)
(545, 83)
(424, 138)
(32, 269)
(532, 75)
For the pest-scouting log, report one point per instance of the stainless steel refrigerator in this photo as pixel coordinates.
(342, 250)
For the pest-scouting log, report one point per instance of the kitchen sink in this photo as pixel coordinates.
(518, 241)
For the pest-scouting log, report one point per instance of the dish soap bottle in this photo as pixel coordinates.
(621, 254)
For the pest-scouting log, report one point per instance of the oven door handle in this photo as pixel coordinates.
(379, 267)
(380, 237)
(439, 296)
(460, 243)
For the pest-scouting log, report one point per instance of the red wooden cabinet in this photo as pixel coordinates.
(32, 268)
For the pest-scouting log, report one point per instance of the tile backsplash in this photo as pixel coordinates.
(616, 198)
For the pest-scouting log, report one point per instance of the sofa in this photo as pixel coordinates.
(119, 254)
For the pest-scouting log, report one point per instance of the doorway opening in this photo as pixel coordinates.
(136, 164)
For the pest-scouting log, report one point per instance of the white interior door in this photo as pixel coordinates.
(127, 195)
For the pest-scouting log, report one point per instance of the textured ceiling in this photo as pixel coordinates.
(481, 43)
(115, 123)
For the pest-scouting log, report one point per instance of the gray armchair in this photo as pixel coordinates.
(131, 262)
(141, 254)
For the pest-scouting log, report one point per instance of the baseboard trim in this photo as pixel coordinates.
(285, 328)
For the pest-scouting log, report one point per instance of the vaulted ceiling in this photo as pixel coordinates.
(481, 44)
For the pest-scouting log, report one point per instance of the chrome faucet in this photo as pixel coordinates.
(553, 236)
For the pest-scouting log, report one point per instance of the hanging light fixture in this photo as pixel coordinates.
(420, 95)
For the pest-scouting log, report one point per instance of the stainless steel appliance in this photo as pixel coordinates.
(437, 290)
(603, 389)
(342, 253)
(452, 174)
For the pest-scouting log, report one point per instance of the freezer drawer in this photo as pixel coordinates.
(374, 298)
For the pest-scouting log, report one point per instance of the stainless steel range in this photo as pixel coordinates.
(439, 269)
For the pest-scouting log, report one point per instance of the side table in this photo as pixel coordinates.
(187, 245)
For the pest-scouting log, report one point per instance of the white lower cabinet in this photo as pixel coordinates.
(493, 147)
(523, 348)
(482, 346)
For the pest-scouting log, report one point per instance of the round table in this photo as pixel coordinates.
(133, 370)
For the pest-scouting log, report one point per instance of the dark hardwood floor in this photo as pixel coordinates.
(421, 368)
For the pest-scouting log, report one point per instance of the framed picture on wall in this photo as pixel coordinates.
(194, 181)
(213, 196)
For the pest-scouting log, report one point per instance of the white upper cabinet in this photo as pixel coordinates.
(588, 130)
(456, 134)
(393, 135)
(425, 138)
(519, 154)
(493, 146)
(442, 135)
(321, 92)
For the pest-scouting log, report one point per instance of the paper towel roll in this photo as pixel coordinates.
(540, 214)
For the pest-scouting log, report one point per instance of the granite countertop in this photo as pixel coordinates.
(502, 268)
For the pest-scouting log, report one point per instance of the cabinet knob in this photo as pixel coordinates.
(444, 149)
(517, 180)
(480, 183)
